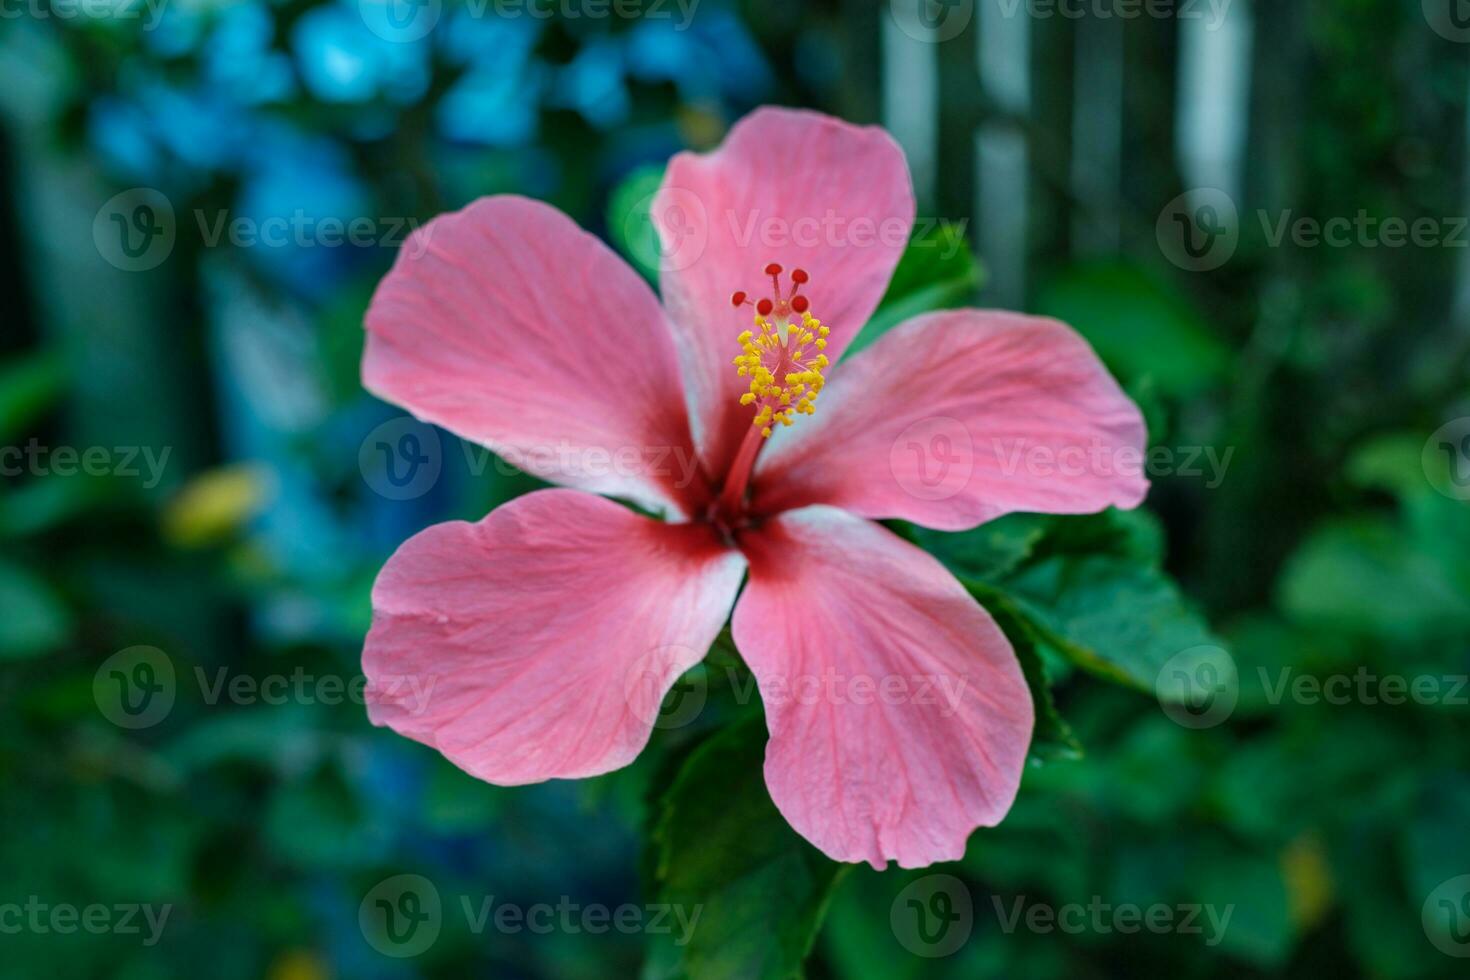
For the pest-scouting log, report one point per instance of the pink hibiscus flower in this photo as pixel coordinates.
(898, 715)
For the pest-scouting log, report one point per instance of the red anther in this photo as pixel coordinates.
(764, 307)
(773, 269)
(798, 276)
(800, 304)
(738, 299)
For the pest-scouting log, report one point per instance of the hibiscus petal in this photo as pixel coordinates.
(797, 188)
(955, 418)
(898, 713)
(539, 642)
(511, 327)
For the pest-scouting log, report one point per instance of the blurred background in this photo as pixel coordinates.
(1255, 211)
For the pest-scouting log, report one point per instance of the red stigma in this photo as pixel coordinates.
(781, 302)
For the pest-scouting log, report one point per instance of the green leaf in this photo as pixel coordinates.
(1052, 738)
(723, 851)
(1248, 887)
(989, 551)
(33, 621)
(1364, 575)
(319, 822)
(1135, 535)
(628, 222)
(937, 271)
(1437, 525)
(1437, 847)
(28, 387)
(455, 805)
(341, 338)
(47, 502)
(1113, 617)
(1138, 327)
(1392, 463)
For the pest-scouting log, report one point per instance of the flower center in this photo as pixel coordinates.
(783, 354)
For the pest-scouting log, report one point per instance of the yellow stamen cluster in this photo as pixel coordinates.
(784, 364)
